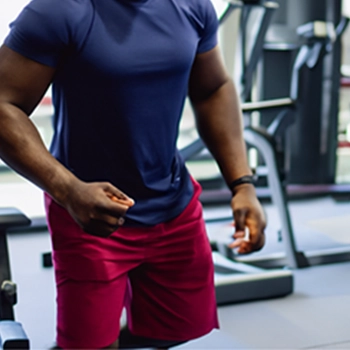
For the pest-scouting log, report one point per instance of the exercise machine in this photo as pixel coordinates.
(317, 41)
(316, 27)
(12, 334)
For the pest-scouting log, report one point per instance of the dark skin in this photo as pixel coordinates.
(99, 207)
(220, 125)
(22, 85)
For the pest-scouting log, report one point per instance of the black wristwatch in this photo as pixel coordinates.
(246, 179)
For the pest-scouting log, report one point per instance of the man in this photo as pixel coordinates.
(123, 212)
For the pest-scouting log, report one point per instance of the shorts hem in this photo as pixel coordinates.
(169, 337)
(70, 345)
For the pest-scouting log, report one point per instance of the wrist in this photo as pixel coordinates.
(241, 182)
(63, 187)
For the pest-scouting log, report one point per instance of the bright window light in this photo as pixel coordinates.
(9, 10)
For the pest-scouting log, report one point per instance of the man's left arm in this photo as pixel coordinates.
(220, 125)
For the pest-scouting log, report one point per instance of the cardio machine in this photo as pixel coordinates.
(317, 40)
(12, 334)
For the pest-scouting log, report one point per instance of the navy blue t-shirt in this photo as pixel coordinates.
(121, 82)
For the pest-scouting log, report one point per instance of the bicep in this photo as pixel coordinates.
(23, 82)
(208, 74)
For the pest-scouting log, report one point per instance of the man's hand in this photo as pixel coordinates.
(249, 214)
(97, 207)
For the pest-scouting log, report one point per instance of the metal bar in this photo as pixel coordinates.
(9, 217)
(232, 5)
(253, 137)
(192, 149)
(268, 104)
(5, 273)
(255, 56)
(244, 20)
(6, 308)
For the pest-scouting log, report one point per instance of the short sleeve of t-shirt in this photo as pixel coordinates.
(210, 25)
(46, 29)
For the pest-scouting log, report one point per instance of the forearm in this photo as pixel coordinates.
(220, 125)
(21, 147)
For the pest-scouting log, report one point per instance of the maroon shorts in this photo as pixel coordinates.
(163, 276)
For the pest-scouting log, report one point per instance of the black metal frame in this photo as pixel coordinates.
(12, 335)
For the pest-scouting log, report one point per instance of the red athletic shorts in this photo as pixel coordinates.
(163, 276)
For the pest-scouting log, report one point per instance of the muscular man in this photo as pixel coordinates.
(122, 209)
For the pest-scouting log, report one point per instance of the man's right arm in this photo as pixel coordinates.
(23, 83)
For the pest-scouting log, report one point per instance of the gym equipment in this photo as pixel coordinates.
(243, 56)
(318, 39)
(239, 282)
(312, 141)
(12, 334)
